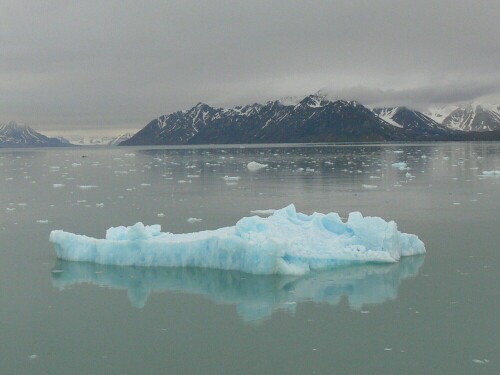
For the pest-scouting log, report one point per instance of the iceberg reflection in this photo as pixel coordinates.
(255, 296)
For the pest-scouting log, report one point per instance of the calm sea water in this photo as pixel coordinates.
(432, 314)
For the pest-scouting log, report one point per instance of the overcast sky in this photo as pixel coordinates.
(104, 64)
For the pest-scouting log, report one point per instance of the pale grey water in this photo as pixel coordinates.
(433, 314)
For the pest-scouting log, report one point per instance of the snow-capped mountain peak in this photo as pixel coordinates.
(474, 117)
(14, 135)
(411, 120)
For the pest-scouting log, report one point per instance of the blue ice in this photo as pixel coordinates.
(287, 242)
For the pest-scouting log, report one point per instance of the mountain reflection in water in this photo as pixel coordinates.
(255, 296)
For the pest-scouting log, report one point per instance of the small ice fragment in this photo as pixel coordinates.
(263, 212)
(33, 356)
(42, 221)
(401, 165)
(369, 186)
(99, 204)
(387, 349)
(254, 166)
(57, 185)
(478, 361)
(161, 215)
(491, 173)
(86, 187)
(193, 220)
(228, 178)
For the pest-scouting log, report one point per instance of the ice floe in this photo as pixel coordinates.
(287, 242)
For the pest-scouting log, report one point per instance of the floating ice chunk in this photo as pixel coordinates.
(263, 212)
(56, 186)
(193, 220)
(288, 242)
(86, 187)
(42, 221)
(229, 178)
(491, 173)
(366, 186)
(401, 166)
(254, 166)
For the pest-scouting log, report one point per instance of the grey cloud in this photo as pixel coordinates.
(114, 64)
(417, 98)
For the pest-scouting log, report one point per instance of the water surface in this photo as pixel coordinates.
(432, 314)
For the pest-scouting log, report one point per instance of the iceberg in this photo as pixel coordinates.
(287, 242)
(256, 297)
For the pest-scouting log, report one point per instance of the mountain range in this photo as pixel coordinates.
(14, 135)
(314, 118)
